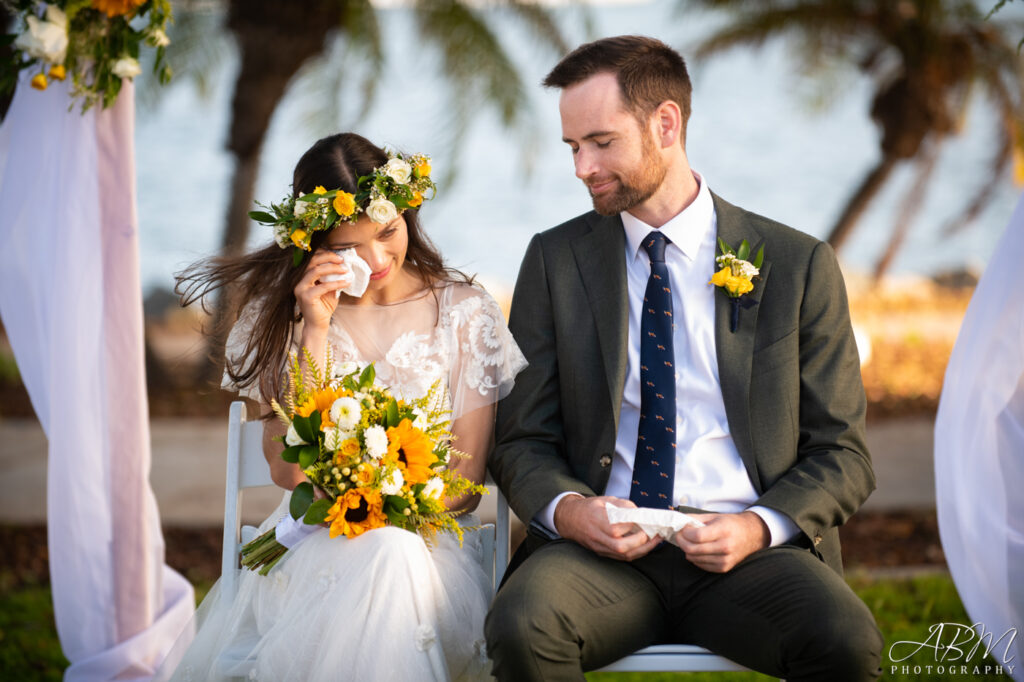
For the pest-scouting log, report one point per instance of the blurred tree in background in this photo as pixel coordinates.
(925, 58)
(275, 40)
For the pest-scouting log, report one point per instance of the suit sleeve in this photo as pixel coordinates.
(529, 462)
(833, 475)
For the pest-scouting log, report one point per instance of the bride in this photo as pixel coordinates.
(380, 606)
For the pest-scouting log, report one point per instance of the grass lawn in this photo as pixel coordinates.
(905, 609)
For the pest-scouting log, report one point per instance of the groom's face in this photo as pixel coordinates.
(614, 154)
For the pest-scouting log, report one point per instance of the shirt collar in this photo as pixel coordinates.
(686, 230)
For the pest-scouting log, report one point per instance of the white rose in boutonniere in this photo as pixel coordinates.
(126, 67)
(398, 170)
(45, 39)
(381, 211)
(736, 274)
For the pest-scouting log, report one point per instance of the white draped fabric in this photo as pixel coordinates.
(70, 299)
(979, 453)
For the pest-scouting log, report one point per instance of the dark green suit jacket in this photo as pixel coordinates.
(790, 374)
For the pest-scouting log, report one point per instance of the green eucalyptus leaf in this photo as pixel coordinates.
(304, 428)
(317, 512)
(308, 455)
(262, 217)
(744, 250)
(302, 497)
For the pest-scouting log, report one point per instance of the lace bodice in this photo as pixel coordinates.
(456, 333)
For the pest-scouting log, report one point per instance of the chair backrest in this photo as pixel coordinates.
(246, 468)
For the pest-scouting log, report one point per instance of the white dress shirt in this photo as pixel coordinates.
(709, 473)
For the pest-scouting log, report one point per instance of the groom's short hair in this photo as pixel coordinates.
(648, 71)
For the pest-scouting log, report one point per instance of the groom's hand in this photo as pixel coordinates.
(584, 520)
(724, 541)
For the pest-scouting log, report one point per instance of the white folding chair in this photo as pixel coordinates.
(656, 658)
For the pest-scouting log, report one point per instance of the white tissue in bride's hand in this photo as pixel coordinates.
(359, 270)
(663, 522)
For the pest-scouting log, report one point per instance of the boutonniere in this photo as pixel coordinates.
(736, 275)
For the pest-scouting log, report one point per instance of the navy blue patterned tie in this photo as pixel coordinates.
(655, 464)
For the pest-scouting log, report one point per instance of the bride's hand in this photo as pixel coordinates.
(317, 298)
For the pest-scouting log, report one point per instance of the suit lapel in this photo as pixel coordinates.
(600, 257)
(735, 349)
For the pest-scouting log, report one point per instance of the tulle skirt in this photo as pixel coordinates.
(381, 606)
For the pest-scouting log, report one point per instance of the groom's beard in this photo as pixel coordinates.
(636, 188)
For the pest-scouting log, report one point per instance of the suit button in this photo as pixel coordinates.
(606, 460)
(817, 540)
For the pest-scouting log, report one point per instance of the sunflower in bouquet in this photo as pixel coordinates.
(371, 459)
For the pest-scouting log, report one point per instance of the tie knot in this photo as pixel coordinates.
(655, 244)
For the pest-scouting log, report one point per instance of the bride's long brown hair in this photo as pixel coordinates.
(267, 278)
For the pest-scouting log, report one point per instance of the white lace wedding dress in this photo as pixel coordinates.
(380, 606)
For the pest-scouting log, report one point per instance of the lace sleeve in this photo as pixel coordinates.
(234, 352)
(486, 357)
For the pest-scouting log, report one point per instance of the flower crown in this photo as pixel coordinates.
(403, 182)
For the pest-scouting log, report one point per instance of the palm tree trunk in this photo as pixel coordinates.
(275, 39)
(908, 209)
(858, 202)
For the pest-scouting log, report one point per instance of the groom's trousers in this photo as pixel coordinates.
(781, 612)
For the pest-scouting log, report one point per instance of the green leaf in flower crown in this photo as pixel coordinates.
(317, 512)
(262, 217)
(296, 257)
(304, 427)
(393, 419)
(308, 455)
(759, 258)
(367, 377)
(291, 454)
(302, 497)
(744, 250)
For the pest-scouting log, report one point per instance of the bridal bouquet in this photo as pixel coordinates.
(371, 459)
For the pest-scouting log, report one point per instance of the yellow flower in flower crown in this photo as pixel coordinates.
(355, 512)
(58, 72)
(344, 203)
(319, 189)
(39, 82)
(417, 199)
(114, 8)
(423, 169)
(412, 450)
(299, 239)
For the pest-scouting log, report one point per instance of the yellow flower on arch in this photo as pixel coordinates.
(355, 512)
(412, 450)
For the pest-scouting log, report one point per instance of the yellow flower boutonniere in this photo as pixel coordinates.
(736, 274)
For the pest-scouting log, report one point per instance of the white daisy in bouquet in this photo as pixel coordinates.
(370, 459)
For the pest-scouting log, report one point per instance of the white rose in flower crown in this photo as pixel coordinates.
(376, 439)
(398, 170)
(392, 484)
(281, 236)
(345, 412)
(126, 67)
(434, 488)
(292, 437)
(381, 211)
(300, 208)
(46, 40)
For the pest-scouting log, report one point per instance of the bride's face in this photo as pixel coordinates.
(383, 247)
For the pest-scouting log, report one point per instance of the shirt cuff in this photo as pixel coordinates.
(546, 516)
(781, 528)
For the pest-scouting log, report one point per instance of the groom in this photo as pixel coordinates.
(649, 386)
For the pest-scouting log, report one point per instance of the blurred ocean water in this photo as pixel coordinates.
(754, 135)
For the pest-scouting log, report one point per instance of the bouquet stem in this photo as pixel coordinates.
(263, 553)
